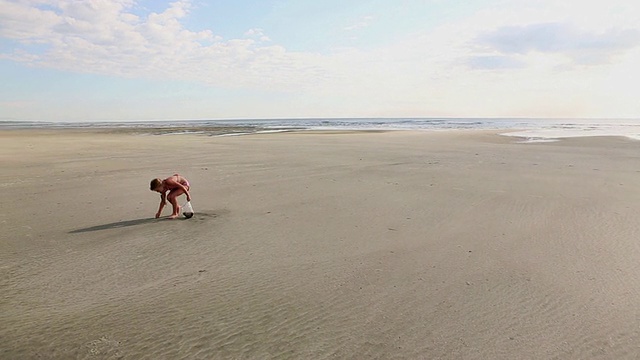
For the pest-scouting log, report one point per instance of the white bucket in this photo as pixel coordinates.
(187, 210)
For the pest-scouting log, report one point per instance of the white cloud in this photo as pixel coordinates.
(25, 23)
(582, 46)
(257, 34)
(105, 37)
(517, 58)
(445, 71)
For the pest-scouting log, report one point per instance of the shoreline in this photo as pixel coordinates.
(531, 129)
(518, 135)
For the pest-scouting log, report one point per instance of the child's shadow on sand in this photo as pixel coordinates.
(115, 225)
(199, 216)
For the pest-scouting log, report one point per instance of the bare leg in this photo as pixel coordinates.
(172, 197)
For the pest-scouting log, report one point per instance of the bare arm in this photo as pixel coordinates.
(186, 192)
(163, 202)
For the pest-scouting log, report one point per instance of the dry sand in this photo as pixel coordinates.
(396, 245)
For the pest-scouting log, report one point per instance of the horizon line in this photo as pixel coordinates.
(319, 118)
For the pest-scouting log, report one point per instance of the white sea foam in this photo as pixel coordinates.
(545, 131)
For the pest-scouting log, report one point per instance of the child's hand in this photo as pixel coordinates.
(158, 214)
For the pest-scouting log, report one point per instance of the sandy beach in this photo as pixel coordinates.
(320, 245)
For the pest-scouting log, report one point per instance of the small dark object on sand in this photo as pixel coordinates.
(188, 215)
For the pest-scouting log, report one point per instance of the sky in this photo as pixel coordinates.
(115, 60)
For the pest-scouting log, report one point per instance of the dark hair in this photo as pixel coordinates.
(154, 184)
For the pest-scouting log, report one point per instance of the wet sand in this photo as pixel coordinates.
(340, 245)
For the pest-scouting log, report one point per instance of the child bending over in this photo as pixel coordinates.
(176, 185)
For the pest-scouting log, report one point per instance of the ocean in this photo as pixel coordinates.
(528, 129)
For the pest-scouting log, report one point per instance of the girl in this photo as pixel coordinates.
(176, 185)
